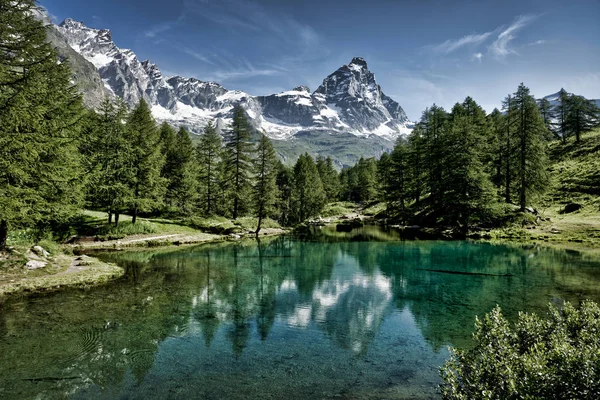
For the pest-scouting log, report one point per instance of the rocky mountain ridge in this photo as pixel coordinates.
(348, 101)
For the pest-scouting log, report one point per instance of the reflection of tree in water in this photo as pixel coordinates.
(265, 316)
(104, 335)
(445, 305)
(205, 313)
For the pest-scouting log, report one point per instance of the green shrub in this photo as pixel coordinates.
(50, 246)
(554, 358)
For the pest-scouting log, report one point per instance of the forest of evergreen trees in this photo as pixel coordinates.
(456, 168)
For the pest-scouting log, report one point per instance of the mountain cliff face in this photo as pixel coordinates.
(349, 105)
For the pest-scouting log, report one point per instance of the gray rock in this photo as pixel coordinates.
(40, 251)
(34, 264)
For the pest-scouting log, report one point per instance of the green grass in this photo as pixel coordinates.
(575, 171)
(221, 225)
(338, 209)
(374, 209)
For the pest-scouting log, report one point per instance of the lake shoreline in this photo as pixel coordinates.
(85, 271)
(100, 273)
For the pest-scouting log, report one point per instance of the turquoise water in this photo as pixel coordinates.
(280, 319)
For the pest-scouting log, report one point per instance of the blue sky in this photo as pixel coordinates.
(422, 52)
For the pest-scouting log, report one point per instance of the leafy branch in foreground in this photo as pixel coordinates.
(535, 358)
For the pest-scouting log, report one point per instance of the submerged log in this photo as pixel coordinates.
(441, 271)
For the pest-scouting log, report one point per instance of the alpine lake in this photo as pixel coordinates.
(357, 315)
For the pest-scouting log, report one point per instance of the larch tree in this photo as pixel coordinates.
(168, 146)
(285, 190)
(329, 177)
(147, 161)
(468, 192)
(209, 152)
(398, 181)
(434, 123)
(530, 131)
(183, 182)
(264, 191)
(416, 168)
(40, 123)
(581, 116)
(107, 159)
(507, 145)
(559, 114)
(308, 193)
(546, 110)
(238, 148)
(384, 178)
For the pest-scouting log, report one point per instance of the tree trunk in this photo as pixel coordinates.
(117, 215)
(110, 216)
(134, 217)
(3, 234)
(259, 223)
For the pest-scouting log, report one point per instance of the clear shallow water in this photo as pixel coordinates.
(283, 319)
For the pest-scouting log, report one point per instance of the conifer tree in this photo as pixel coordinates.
(581, 116)
(147, 161)
(384, 177)
(108, 158)
(308, 193)
(367, 179)
(508, 145)
(546, 111)
(329, 177)
(529, 133)
(285, 190)
(398, 181)
(238, 161)
(434, 123)
(184, 183)
(559, 113)
(264, 193)
(416, 168)
(168, 145)
(40, 123)
(468, 192)
(209, 153)
(496, 154)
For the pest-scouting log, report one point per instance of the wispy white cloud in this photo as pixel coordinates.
(501, 47)
(197, 55)
(289, 40)
(536, 43)
(477, 57)
(164, 27)
(451, 45)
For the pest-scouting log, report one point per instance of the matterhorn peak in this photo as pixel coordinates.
(359, 61)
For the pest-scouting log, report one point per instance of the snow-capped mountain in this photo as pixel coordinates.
(348, 101)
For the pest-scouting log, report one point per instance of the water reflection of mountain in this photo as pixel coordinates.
(234, 294)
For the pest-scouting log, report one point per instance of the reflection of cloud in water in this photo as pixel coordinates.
(349, 307)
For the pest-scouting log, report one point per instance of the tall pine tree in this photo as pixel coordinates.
(40, 122)
(264, 193)
(238, 161)
(108, 159)
(147, 161)
(308, 193)
(530, 131)
(209, 153)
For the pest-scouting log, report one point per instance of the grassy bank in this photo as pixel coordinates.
(33, 265)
